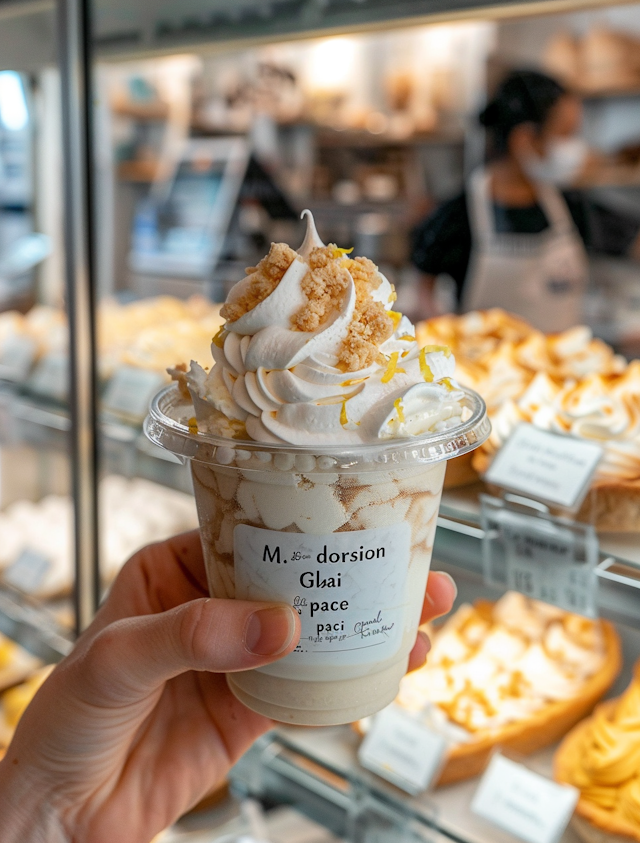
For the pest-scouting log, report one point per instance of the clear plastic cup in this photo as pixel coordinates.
(343, 534)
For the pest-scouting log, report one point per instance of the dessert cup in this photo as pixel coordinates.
(343, 534)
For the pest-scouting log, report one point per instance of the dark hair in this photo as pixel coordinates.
(525, 96)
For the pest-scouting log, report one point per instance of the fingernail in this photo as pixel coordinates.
(452, 581)
(426, 639)
(269, 631)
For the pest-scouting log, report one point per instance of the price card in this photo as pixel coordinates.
(549, 467)
(524, 803)
(28, 570)
(543, 557)
(16, 358)
(50, 378)
(130, 390)
(402, 750)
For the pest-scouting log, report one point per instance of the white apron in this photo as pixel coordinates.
(541, 277)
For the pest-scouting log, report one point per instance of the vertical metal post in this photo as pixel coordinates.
(75, 76)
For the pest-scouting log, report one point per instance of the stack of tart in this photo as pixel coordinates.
(515, 674)
(601, 757)
(568, 383)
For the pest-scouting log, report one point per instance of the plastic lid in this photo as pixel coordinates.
(167, 426)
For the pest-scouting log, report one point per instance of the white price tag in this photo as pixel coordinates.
(28, 570)
(130, 390)
(524, 803)
(542, 557)
(402, 750)
(16, 358)
(549, 467)
(50, 378)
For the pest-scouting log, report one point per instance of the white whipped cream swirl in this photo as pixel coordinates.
(282, 385)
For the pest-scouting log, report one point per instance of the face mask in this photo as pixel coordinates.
(563, 161)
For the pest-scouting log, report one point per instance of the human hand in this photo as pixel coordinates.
(138, 723)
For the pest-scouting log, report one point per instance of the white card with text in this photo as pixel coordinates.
(402, 750)
(549, 467)
(524, 803)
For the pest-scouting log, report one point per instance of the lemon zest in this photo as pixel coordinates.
(395, 318)
(407, 338)
(344, 419)
(340, 253)
(398, 405)
(193, 425)
(220, 337)
(425, 370)
(392, 368)
(446, 382)
(432, 349)
(353, 382)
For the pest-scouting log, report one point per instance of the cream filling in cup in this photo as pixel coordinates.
(344, 535)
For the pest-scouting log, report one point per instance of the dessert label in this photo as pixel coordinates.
(16, 358)
(28, 571)
(524, 803)
(547, 466)
(130, 390)
(402, 750)
(542, 557)
(50, 378)
(348, 588)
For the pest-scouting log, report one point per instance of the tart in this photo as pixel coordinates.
(569, 383)
(515, 674)
(601, 757)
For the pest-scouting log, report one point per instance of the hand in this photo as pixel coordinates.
(138, 724)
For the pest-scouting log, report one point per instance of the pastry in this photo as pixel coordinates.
(14, 701)
(515, 674)
(568, 383)
(601, 757)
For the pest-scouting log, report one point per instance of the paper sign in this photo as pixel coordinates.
(50, 378)
(28, 570)
(16, 358)
(524, 803)
(543, 557)
(130, 390)
(402, 750)
(547, 466)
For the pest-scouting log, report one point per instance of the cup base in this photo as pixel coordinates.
(319, 703)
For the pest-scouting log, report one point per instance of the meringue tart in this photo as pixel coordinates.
(515, 674)
(601, 757)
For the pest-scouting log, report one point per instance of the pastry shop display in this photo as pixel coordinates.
(514, 674)
(133, 512)
(568, 383)
(601, 757)
(153, 333)
(14, 701)
(602, 61)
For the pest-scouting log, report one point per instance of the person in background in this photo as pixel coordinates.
(138, 723)
(518, 238)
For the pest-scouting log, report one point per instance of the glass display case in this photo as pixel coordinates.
(173, 146)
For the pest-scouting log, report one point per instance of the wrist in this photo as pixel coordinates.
(27, 814)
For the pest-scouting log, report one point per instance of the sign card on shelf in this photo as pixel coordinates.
(549, 467)
(402, 750)
(526, 804)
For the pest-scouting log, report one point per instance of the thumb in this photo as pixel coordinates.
(131, 658)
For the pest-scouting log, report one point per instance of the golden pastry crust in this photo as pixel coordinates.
(592, 821)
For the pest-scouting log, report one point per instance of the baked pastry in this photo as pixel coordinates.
(515, 674)
(601, 757)
(569, 383)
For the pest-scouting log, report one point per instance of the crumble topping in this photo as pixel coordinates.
(265, 278)
(324, 286)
